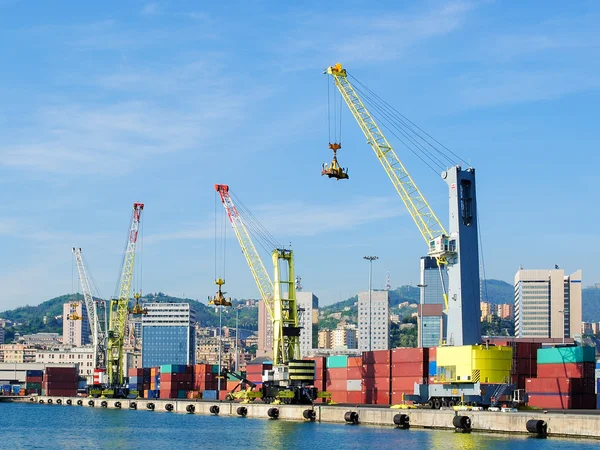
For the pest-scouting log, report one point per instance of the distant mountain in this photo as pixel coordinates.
(498, 292)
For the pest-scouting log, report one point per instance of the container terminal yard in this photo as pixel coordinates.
(467, 383)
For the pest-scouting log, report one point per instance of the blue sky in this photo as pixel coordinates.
(107, 103)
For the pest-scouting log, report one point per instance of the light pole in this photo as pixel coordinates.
(370, 259)
(562, 311)
(422, 286)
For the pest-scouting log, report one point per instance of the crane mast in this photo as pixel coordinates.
(457, 250)
(279, 296)
(98, 334)
(119, 307)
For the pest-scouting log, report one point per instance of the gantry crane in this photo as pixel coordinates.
(288, 380)
(120, 310)
(97, 324)
(457, 250)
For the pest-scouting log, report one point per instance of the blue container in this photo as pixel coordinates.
(209, 395)
(182, 394)
(16, 389)
(432, 368)
(6, 389)
(598, 402)
(34, 373)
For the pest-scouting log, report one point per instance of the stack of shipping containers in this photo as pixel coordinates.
(409, 366)
(175, 380)
(60, 381)
(139, 380)
(204, 379)
(336, 378)
(565, 378)
(33, 381)
(377, 377)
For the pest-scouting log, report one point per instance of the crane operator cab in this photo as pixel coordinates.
(334, 170)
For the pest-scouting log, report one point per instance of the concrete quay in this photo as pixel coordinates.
(563, 424)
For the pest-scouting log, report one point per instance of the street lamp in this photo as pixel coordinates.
(370, 259)
(422, 286)
(562, 311)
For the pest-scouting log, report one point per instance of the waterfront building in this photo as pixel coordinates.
(76, 326)
(168, 334)
(430, 316)
(1, 335)
(41, 340)
(82, 356)
(373, 321)
(547, 303)
(308, 318)
(17, 353)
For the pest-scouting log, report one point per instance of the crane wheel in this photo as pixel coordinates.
(132, 405)
(49, 401)
(402, 421)
(91, 403)
(169, 407)
(104, 403)
(351, 417)
(41, 402)
(118, 405)
(242, 411)
(150, 406)
(79, 402)
(190, 408)
(214, 409)
(59, 402)
(69, 402)
(273, 413)
(309, 414)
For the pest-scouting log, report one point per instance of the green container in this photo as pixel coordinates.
(37, 386)
(337, 362)
(215, 368)
(566, 355)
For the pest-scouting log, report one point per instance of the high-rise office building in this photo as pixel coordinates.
(430, 315)
(76, 326)
(547, 303)
(168, 334)
(373, 321)
(308, 315)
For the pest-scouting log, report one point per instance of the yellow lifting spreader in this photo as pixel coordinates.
(219, 299)
(334, 170)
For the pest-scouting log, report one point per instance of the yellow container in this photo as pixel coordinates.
(474, 363)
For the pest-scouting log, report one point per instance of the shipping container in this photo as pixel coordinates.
(337, 385)
(406, 384)
(336, 374)
(355, 397)
(568, 370)
(337, 362)
(210, 394)
(406, 355)
(561, 355)
(339, 396)
(566, 386)
(377, 357)
(381, 384)
(557, 401)
(354, 385)
(377, 370)
(377, 397)
(410, 369)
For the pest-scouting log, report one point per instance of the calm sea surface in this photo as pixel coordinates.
(30, 426)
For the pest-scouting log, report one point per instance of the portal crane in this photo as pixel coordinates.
(290, 375)
(119, 306)
(457, 249)
(97, 327)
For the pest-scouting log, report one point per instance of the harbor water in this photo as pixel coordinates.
(33, 426)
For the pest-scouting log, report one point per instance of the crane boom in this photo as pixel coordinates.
(279, 297)
(119, 307)
(98, 334)
(426, 220)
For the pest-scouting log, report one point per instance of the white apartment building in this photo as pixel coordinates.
(344, 336)
(308, 315)
(82, 356)
(373, 321)
(547, 303)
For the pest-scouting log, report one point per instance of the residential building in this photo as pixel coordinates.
(308, 318)
(17, 353)
(41, 340)
(590, 328)
(325, 339)
(505, 311)
(168, 334)
(344, 336)
(486, 310)
(547, 303)
(373, 321)
(430, 313)
(82, 356)
(1, 335)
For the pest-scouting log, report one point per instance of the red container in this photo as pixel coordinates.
(376, 370)
(376, 397)
(357, 398)
(167, 394)
(61, 377)
(432, 353)
(564, 386)
(339, 396)
(377, 357)
(406, 384)
(59, 385)
(555, 401)
(410, 369)
(377, 383)
(336, 374)
(336, 385)
(61, 370)
(33, 379)
(525, 366)
(570, 370)
(398, 396)
(62, 392)
(405, 355)
(354, 373)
